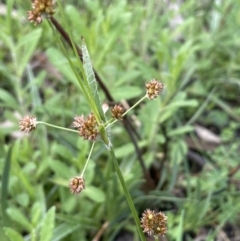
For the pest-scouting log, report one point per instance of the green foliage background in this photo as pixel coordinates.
(194, 51)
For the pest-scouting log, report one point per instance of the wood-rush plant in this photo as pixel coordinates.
(94, 127)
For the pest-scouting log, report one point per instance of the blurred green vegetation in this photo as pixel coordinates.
(189, 138)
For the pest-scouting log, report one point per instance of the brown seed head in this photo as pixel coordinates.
(87, 128)
(76, 185)
(78, 121)
(153, 89)
(154, 223)
(34, 16)
(28, 123)
(41, 8)
(117, 112)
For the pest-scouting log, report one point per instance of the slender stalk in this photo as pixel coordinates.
(57, 127)
(127, 194)
(137, 103)
(90, 153)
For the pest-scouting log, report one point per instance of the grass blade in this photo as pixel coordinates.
(4, 193)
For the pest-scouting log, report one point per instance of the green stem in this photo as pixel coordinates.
(127, 194)
(57, 127)
(137, 103)
(90, 153)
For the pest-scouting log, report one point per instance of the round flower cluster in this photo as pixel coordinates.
(28, 123)
(76, 185)
(41, 8)
(87, 128)
(117, 112)
(154, 223)
(153, 89)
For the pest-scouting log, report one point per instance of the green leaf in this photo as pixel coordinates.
(48, 225)
(9, 14)
(127, 92)
(128, 148)
(8, 100)
(3, 235)
(180, 59)
(87, 222)
(180, 131)
(12, 234)
(25, 48)
(201, 108)
(62, 64)
(19, 218)
(92, 84)
(226, 107)
(124, 150)
(183, 103)
(63, 230)
(36, 213)
(205, 206)
(5, 180)
(23, 199)
(170, 109)
(7, 40)
(94, 193)
(61, 169)
(23, 178)
(180, 227)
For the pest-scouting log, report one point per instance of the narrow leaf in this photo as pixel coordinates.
(180, 227)
(93, 91)
(19, 218)
(13, 235)
(5, 180)
(95, 194)
(25, 48)
(48, 225)
(181, 130)
(8, 100)
(63, 230)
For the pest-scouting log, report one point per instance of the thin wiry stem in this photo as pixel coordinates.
(57, 127)
(127, 194)
(138, 102)
(85, 166)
